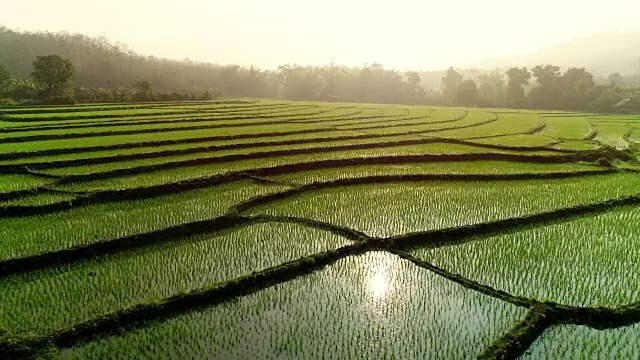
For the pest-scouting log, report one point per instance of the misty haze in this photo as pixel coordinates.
(310, 180)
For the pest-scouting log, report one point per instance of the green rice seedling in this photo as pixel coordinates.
(77, 114)
(438, 127)
(199, 171)
(198, 144)
(396, 150)
(34, 125)
(89, 130)
(373, 306)
(591, 261)
(101, 222)
(567, 128)
(452, 168)
(612, 134)
(47, 300)
(137, 138)
(577, 145)
(506, 124)
(581, 342)
(9, 183)
(535, 140)
(393, 209)
(635, 134)
(38, 199)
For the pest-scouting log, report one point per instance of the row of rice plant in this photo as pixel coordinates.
(373, 306)
(89, 224)
(60, 297)
(507, 124)
(137, 138)
(612, 134)
(392, 209)
(412, 116)
(580, 342)
(97, 168)
(449, 168)
(9, 183)
(132, 124)
(257, 142)
(199, 171)
(89, 114)
(567, 128)
(591, 261)
(523, 140)
(38, 199)
(635, 133)
(118, 106)
(471, 120)
(169, 127)
(44, 124)
(329, 146)
(576, 145)
(102, 121)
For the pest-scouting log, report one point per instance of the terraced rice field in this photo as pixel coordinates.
(242, 229)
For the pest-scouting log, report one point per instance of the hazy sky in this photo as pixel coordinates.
(404, 34)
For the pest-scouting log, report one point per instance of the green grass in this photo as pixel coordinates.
(580, 342)
(85, 225)
(47, 300)
(393, 209)
(372, 306)
(586, 262)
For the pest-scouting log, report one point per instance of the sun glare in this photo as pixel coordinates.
(379, 285)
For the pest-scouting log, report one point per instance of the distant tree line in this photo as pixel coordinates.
(541, 87)
(62, 68)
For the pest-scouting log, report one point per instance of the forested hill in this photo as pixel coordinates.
(104, 71)
(102, 63)
(602, 54)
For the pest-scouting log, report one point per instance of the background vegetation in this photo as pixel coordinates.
(104, 71)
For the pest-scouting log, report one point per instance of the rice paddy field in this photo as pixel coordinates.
(255, 229)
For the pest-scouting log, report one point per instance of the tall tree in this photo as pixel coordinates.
(450, 84)
(546, 75)
(549, 94)
(616, 80)
(53, 74)
(491, 92)
(414, 82)
(518, 77)
(5, 80)
(467, 93)
(577, 89)
(143, 91)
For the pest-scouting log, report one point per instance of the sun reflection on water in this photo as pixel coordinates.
(380, 280)
(379, 285)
